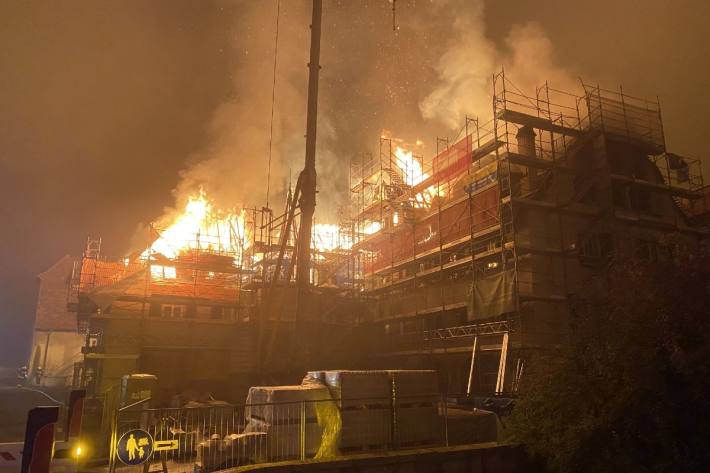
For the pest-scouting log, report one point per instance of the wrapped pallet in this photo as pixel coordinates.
(234, 450)
(288, 416)
(417, 426)
(365, 402)
(415, 396)
(359, 389)
(414, 387)
(365, 429)
(466, 427)
(283, 440)
(209, 456)
(243, 448)
(282, 403)
(314, 377)
(327, 416)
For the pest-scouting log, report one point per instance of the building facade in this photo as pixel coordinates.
(473, 265)
(56, 344)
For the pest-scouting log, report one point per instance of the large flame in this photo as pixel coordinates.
(201, 227)
(413, 173)
(412, 170)
(329, 237)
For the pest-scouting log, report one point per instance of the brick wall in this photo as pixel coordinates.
(52, 311)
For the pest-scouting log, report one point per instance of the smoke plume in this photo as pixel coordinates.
(418, 81)
(465, 70)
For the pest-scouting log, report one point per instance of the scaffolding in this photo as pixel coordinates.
(486, 231)
(467, 243)
(212, 276)
(202, 281)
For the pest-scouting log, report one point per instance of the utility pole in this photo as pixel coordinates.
(308, 175)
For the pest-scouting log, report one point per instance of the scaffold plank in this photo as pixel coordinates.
(536, 122)
(486, 148)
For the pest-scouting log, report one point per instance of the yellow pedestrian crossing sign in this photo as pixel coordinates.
(134, 447)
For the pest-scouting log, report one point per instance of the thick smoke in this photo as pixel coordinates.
(418, 81)
(232, 168)
(466, 69)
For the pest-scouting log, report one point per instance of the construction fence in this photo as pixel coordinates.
(205, 439)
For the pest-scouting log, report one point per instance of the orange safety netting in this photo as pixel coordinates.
(215, 281)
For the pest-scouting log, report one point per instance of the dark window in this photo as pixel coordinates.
(589, 246)
(173, 311)
(649, 250)
(619, 195)
(593, 247)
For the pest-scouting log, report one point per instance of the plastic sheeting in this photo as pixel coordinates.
(328, 418)
(273, 404)
(492, 296)
(359, 389)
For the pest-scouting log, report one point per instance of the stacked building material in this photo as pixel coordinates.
(314, 377)
(364, 399)
(415, 417)
(234, 450)
(287, 414)
(465, 427)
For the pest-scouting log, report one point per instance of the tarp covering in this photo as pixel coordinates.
(273, 404)
(492, 296)
(329, 420)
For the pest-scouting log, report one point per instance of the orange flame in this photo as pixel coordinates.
(201, 227)
(413, 173)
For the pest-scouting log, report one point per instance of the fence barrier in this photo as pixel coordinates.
(209, 438)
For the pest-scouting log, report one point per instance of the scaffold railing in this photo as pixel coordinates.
(467, 331)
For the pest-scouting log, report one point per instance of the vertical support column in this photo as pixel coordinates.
(303, 431)
(518, 374)
(473, 362)
(500, 384)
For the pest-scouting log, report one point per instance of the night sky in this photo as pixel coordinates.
(104, 105)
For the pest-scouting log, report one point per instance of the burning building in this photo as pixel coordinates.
(200, 307)
(469, 261)
(464, 263)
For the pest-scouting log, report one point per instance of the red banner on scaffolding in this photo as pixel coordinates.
(453, 160)
(452, 224)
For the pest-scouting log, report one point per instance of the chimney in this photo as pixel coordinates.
(526, 141)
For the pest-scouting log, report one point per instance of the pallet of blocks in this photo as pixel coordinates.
(233, 450)
(364, 399)
(477, 426)
(415, 399)
(284, 414)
